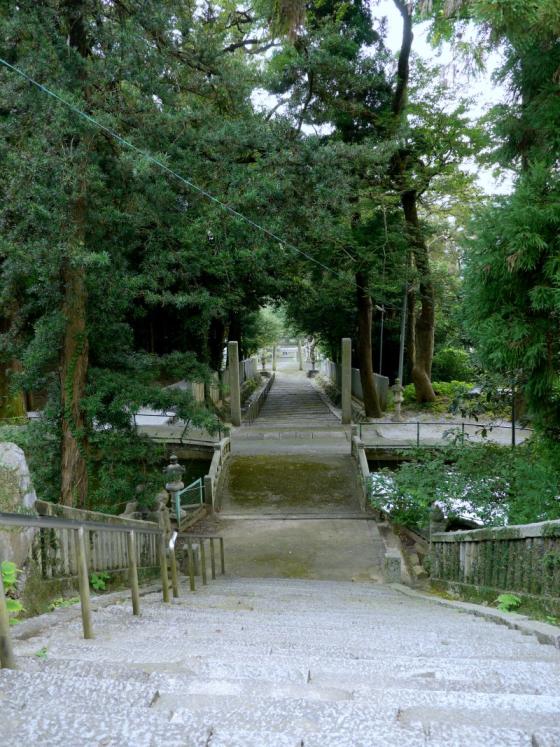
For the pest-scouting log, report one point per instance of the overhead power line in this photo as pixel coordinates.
(164, 167)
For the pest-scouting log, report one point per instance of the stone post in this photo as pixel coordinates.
(398, 396)
(208, 492)
(346, 381)
(234, 387)
(274, 357)
(300, 354)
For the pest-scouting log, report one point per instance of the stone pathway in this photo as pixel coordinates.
(295, 419)
(278, 663)
(289, 496)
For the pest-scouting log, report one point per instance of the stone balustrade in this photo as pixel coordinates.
(222, 451)
(522, 559)
(54, 552)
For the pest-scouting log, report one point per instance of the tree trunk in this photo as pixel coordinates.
(234, 333)
(423, 349)
(365, 351)
(12, 404)
(421, 340)
(216, 343)
(74, 357)
(73, 374)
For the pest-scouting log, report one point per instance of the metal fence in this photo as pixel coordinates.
(414, 434)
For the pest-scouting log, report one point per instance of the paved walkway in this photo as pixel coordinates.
(278, 663)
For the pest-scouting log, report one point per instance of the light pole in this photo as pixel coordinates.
(403, 334)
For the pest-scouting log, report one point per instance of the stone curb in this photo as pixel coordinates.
(544, 633)
(35, 626)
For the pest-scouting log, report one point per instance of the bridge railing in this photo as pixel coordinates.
(414, 434)
(520, 559)
(252, 412)
(81, 547)
(165, 426)
(222, 451)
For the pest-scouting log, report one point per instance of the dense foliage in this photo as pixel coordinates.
(119, 277)
(483, 482)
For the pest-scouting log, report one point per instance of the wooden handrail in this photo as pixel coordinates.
(57, 522)
(130, 529)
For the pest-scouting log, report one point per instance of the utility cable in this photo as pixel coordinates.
(182, 179)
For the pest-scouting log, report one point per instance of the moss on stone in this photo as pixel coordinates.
(10, 493)
(280, 481)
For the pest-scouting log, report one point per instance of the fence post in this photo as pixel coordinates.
(418, 433)
(174, 576)
(7, 660)
(163, 568)
(222, 555)
(463, 433)
(190, 556)
(133, 573)
(212, 559)
(346, 381)
(202, 561)
(83, 581)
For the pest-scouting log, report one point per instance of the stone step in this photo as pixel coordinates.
(353, 646)
(65, 725)
(360, 716)
(283, 663)
(359, 675)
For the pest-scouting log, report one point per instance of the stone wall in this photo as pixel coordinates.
(331, 370)
(248, 369)
(523, 560)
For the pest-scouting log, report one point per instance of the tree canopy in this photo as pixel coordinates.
(185, 166)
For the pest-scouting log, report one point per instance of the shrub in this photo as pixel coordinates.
(446, 391)
(452, 364)
(9, 578)
(483, 481)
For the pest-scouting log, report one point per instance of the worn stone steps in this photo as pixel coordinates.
(277, 662)
(528, 676)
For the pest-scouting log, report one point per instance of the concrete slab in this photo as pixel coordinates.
(322, 549)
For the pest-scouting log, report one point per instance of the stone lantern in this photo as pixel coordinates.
(174, 484)
(399, 398)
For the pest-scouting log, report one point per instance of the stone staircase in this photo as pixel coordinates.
(294, 419)
(283, 663)
(294, 402)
